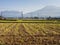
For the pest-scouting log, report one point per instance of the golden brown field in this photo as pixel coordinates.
(29, 34)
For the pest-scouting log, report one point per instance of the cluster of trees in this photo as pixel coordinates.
(44, 18)
(53, 18)
(2, 18)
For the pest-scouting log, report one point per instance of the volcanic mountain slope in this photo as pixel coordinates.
(52, 11)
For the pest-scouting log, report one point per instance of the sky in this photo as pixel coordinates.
(26, 5)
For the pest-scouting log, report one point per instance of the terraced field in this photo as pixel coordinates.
(29, 34)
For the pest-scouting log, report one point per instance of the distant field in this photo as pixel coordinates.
(30, 21)
(29, 33)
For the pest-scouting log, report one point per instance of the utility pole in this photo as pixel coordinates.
(1, 13)
(22, 14)
(38, 15)
(31, 16)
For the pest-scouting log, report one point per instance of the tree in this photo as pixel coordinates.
(36, 17)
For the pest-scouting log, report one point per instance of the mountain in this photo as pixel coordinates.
(52, 11)
(11, 14)
(47, 11)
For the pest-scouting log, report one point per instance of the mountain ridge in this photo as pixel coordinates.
(47, 11)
